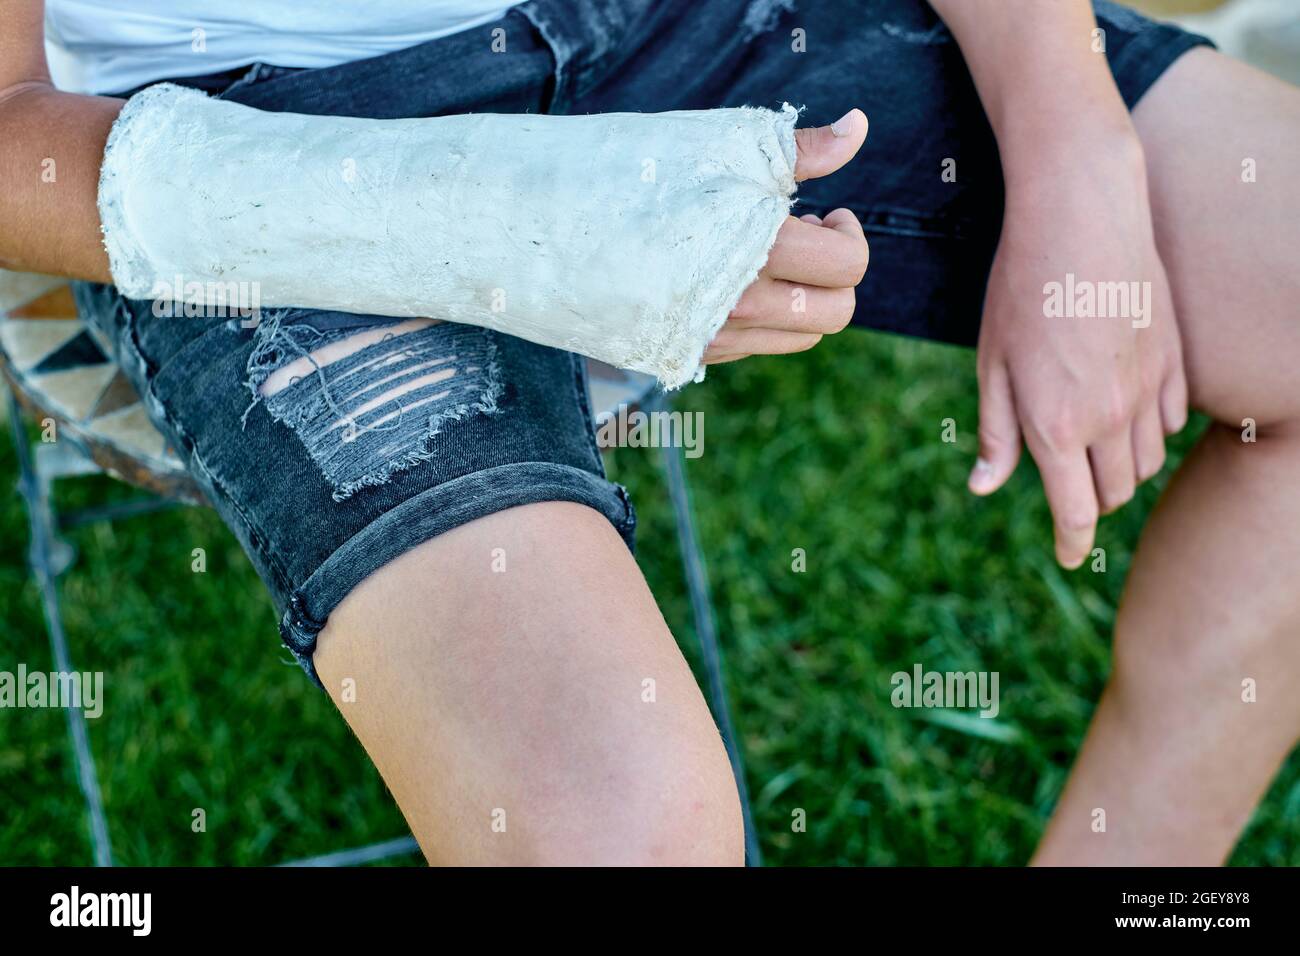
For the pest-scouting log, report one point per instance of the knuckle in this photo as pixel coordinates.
(844, 306)
(1116, 409)
(1059, 429)
(1113, 500)
(1151, 465)
(992, 438)
(1077, 518)
(780, 250)
(744, 308)
(862, 259)
(1113, 415)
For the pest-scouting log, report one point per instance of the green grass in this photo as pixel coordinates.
(837, 452)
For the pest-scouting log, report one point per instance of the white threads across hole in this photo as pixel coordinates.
(327, 355)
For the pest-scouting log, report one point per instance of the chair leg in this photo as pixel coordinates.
(362, 854)
(706, 630)
(48, 557)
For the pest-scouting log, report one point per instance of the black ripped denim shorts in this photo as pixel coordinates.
(358, 460)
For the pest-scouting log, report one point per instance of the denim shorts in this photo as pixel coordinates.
(319, 507)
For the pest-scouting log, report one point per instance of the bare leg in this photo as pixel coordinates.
(509, 711)
(1175, 756)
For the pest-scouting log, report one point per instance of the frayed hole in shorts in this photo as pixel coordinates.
(369, 404)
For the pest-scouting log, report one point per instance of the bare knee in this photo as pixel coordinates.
(648, 809)
(540, 715)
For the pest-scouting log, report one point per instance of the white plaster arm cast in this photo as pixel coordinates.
(627, 237)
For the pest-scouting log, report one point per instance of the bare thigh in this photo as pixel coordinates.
(1221, 141)
(515, 684)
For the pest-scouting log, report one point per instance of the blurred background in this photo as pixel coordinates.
(836, 451)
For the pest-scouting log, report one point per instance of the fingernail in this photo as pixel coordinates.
(844, 125)
(982, 475)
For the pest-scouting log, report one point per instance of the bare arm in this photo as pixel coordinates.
(1092, 395)
(1040, 75)
(51, 144)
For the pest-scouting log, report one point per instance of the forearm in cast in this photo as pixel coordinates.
(627, 237)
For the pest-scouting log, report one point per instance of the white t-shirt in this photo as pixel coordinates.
(105, 46)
